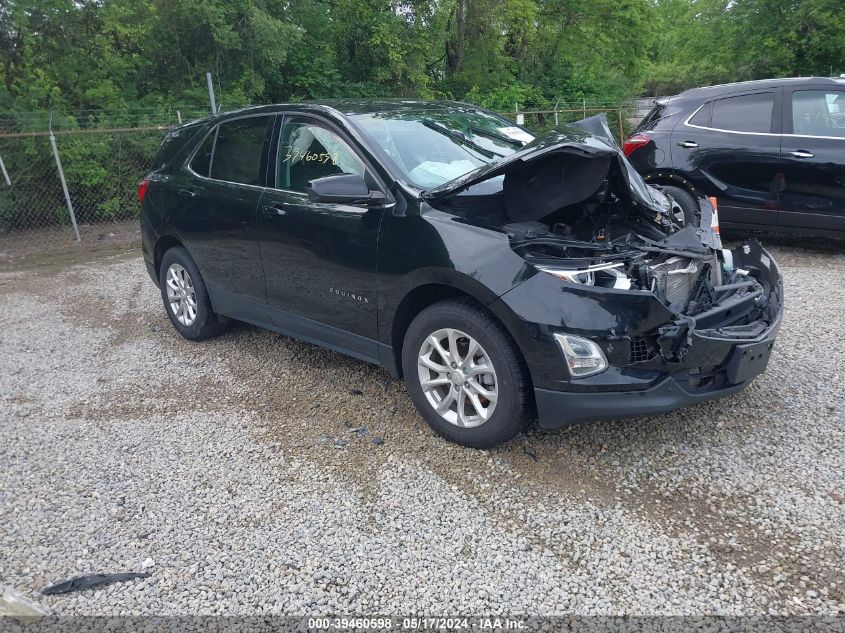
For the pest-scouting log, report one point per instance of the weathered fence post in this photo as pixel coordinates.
(556, 104)
(5, 173)
(621, 129)
(211, 93)
(62, 178)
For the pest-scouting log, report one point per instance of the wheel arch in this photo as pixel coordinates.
(673, 179)
(424, 295)
(414, 302)
(164, 244)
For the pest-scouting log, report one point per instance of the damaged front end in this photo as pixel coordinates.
(669, 306)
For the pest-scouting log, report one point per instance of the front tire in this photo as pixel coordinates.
(465, 375)
(185, 297)
(687, 203)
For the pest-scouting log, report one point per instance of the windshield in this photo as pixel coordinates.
(431, 147)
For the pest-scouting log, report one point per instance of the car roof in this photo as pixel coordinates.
(711, 91)
(352, 107)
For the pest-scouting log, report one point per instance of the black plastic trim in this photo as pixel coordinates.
(557, 409)
(301, 328)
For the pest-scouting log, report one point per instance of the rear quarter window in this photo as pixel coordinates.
(702, 117)
(172, 144)
(659, 116)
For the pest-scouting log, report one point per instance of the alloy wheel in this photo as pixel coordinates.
(457, 378)
(181, 294)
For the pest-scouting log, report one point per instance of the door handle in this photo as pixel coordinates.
(801, 153)
(187, 193)
(273, 210)
(688, 144)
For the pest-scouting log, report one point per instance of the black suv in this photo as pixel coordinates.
(502, 276)
(772, 152)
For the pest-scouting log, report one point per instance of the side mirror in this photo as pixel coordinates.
(343, 189)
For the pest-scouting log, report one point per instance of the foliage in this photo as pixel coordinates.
(701, 42)
(73, 55)
(141, 60)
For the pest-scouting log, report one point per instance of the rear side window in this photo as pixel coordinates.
(238, 150)
(702, 117)
(746, 113)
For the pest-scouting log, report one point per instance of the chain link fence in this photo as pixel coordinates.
(103, 158)
(101, 169)
(621, 118)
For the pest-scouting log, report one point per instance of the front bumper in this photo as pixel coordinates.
(717, 360)
(556, 409)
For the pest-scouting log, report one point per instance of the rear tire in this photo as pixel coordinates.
(481, 384)
(687, 203)
(185, 297)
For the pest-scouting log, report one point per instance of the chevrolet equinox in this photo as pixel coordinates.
(504, 277)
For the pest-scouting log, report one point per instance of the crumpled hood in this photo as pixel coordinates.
(587, 153)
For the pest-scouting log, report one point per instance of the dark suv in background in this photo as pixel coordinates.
(772, 152)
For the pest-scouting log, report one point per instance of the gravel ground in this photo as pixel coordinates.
(223, 469)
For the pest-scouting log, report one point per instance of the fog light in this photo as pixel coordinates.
(583, 357)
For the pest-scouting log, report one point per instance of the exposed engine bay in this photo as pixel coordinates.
(603, 248)
(580, 213)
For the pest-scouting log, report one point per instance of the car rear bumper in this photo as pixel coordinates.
(557, 409)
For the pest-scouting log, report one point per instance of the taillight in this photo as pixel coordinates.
(635, 142)
(142, 189)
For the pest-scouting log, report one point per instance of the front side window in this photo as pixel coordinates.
(818, 112)
(746, 113)
(238, 150)
(308, 151)
(433, 146)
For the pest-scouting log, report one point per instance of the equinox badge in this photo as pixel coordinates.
(349, 295)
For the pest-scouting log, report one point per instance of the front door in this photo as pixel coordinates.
(220, 192)
(319, 258)
(732, 144)
(813, 154)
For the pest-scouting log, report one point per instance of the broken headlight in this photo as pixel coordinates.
(602, 275)
(583, 357)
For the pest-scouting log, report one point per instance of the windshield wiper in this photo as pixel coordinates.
(499, 137)
(460, 137)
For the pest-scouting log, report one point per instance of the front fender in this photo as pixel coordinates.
(435, 248)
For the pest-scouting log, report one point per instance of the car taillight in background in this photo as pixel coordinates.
(635, 142)
(142, 189)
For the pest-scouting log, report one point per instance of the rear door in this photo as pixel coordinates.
(218, 220)
(813, 158)
(731, 145)
(319, 258)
